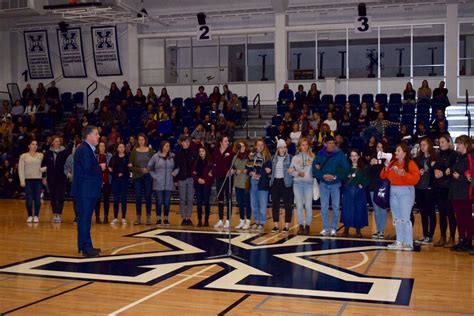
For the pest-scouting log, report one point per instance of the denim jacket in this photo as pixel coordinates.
(286, 165)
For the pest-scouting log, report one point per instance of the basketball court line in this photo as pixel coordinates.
(127, 307)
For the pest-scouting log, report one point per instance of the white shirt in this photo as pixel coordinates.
(279, 168)
(332, 124)
(295, 137)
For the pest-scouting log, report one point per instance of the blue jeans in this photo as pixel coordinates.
(144, 183)
(119, 190)
(243, 200)
(380, 215)
(163, 198)
(33, 195)
(402, 199)
(303, 192)
(259, 202)
(330, 192)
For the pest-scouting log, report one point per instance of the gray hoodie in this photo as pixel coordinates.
(161, 171)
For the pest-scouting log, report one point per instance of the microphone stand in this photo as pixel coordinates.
(228, 178)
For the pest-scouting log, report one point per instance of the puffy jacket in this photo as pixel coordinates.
(161, 169)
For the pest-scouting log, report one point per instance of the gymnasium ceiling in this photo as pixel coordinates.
(180, 15)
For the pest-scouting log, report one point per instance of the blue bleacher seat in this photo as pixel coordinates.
(326, 99)
(177, 102)
(271, 131)
(423, 108)
(165, 127)
(78, 98)
(409, 108)
(382, 99)
(276, 120)
(368, 98)
(393, 117)
(190, 103)
(395, 98)
(340, 99)
(245, 102)
(354, 99)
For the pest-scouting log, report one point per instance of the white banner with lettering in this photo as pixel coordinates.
(37, 54)
(106, 51)
(71, 53)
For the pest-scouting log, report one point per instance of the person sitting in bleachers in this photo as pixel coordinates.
(404, 135)
(222, 103)
(331, 122)
(374, 114)
(409, 94)
(201, 97)
(175, 117)
(199, 134)
(421, 132)
(294, 112)
(119, 117)
(164, 99)
(139, 100)
(306, 110)
(282, 133)
(226, 93)
(286, 95)
(236, 104)
(439, 118)
(17, 109)
(315, 121)
(30, 107)
(440, 131)
(106, 118)
(43, 107)
(349, 110)
(129, 98)
(346, 126)
(300, 96)
(215, 95)
(40, 91)
(424, 92)
(151, 96)
(52, 93)
(5, 108)
(313, 96)
(381, 124)
(115, 95)
(125, 88)
(441, 94)
(27, 94)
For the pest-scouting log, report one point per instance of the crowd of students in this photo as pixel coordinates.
(313, 158)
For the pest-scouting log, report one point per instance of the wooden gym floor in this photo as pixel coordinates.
(432, 281)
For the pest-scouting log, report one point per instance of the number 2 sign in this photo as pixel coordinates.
(362, 24)
(204, 33)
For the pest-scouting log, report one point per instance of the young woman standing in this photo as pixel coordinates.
(139, 158)
(442, 180)
(354, 207)
(300, 170)
(403, 174)
(104, 157)
(222, 158)
(203, 181)
(30, 174)
(119, 170)
(161, 167)
(425, 161)
(259, 169)
(281, 183)
(242, 184)
(459, 194)
(380, 214)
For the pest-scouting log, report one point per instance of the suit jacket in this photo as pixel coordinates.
(87, 180)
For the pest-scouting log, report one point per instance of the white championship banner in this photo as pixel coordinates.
(71, 53)
(106, 51)
(37, 54)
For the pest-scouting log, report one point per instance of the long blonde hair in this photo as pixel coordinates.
(265, 152)
(301, 141)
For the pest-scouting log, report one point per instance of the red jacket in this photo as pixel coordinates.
(205, 173)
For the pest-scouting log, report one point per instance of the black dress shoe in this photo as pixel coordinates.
(106, 220)
(190, 222)
(306, 230)
(184, 222)
(91, 253)
(199, 223)
(300, 230)
(206, 223)
(98, 221)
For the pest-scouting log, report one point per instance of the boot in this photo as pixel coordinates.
(106, 220)
(450, 243)
(460, 246)
(358, 233)
(441, 242)
(97, 220)
(199, 222)
(306, 230)
(300, 230)
(346, 232)
(206, 222)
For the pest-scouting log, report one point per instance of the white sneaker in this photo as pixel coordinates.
(333, 233)
(29, 219)
(407, 247)
(35, 219)
(219, 224)
(124, 221)
(324, 233)
(227, 224)
(260, 228)
(241, 224)
(246, 225)
(114, 221)
(254, 227)
(58, 219)
(395, 246)
(53, 220)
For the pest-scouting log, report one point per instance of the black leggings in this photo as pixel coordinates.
(57, 191)
(280, 191)
(220, 198)
(424, 201)
(106, 190)
(446, 213)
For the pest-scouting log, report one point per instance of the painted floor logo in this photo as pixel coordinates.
(289, 267)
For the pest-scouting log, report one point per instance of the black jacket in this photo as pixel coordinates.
(55, 165)
(445, 160)
(184, 161)
(459, 189)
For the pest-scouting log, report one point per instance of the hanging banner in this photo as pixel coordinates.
(37, 54)
(71, 53)
(106, 52)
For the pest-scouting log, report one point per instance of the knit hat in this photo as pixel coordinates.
(281, 143)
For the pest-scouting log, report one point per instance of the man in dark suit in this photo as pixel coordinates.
(86, 187)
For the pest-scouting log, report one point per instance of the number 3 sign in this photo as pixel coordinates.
(362, 24)
(204, 33)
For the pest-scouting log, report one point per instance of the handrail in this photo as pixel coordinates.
(89, 93)
(468, 115)
(256, 102)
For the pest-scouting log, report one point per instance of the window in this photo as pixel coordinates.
(205, 62)
(261, 57)
(363, 54)
(428, 50)
(466, 49)
(178, 61)
(395, 47)
(301, 56)
(332, 54)
(232, 58)
(152, 61)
